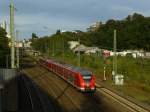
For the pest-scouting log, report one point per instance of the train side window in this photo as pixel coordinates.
(71, 78)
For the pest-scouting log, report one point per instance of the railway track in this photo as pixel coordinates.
(133, 107)
(117, 98)
(36, 99)
(76, 106)
(68, 97)
(55, 90)
(91, 101)
(33, 96)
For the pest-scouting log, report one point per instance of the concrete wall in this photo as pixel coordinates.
(8, 90)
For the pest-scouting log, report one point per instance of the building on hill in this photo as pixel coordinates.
(86, 50)
(80, 48)
(147, 55)
(26, 44)
(4, 25)
(92, 50)
(132, 53)
(94, 26)
(73, 44)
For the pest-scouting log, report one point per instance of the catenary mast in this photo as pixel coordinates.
(12, 34)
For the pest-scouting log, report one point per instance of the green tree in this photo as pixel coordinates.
(4, 48)
(133, 32)
(34, 36)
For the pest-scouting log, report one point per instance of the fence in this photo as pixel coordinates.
(7, 74)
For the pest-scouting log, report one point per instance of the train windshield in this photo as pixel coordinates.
(87, 77)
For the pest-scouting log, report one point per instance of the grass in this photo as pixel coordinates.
(136, 72)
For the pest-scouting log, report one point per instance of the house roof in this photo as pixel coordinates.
(80, 48)
(83, 48)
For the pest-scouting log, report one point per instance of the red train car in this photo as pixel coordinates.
(80, 78)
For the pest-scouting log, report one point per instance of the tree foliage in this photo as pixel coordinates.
(133, 32)
(34, 36)
(4, 48)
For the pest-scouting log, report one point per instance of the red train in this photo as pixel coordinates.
(80, 78)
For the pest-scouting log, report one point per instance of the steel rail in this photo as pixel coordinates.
(77, 107)
(50, 89)
(121, 100)
(29, 94)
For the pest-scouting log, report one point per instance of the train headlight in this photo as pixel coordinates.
(82, 84)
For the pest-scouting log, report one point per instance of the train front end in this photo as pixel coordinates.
(87, 82)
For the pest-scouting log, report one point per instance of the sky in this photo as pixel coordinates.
(44, 17)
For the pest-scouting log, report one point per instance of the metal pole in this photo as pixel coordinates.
(104, 73)
(63, 49)
(53, 47)
(115, 56)
(7, 58)
(12, 35)
(79, 53)
(49, 48)
(17, 49)
(1, 98)
(5, 25)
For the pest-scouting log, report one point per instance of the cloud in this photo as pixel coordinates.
(30, 23)
(33, 15)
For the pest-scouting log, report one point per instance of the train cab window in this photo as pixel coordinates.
(86, 77)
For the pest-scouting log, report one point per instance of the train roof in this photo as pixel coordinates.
(83, 72)
(78, 69)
